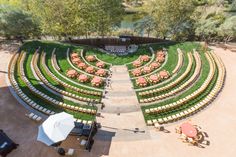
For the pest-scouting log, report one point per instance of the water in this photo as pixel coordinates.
(129, 21)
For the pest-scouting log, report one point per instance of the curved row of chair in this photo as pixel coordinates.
(54, 60)
(190, 96)
(96, 91)
(18, 90)
(180, 61)
(171, 78)
(201, 104)
(63, 83)
(172, 84)
(48, 98)
(77, 69)
(23, 96)
(58, 90)
(183, 86)
(86, 62)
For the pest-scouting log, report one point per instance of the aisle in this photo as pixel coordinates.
(122, 114)
(120, 97)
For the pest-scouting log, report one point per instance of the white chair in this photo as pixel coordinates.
(70, 152)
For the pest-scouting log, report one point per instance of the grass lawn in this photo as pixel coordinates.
(119, 60)
(197, 84)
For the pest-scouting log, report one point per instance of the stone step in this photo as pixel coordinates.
(118, 108)
(120, 93)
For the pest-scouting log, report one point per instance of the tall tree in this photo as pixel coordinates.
(171, 16)
(101, 15)
(16, 23)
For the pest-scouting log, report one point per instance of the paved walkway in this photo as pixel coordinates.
(120, 97)
(122, 115)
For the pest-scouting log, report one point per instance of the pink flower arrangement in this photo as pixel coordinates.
(90, 70)
(164, 74)
(71, 73)
(83, 78)
(147, 70)
(160, 59)
(74, 55)
(136, 72)
(100, 64)
(137, 63)
(90, 58)
(101, 72)
(141, 81)
(76, 60)
(96, 81)
(154, 79)
(82, 65)
(161, 54)
(145, 58)
(154, 65)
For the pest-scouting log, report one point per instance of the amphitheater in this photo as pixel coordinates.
(161, 84)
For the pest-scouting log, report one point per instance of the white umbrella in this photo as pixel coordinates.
(56, 128)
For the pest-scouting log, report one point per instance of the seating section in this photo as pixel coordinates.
(74, 66)
(63, 83)
(39, 99)
(168, 86)
(216, 67)
(54, 60)
(182, 86)
(106, 65)
(147, 66)
(48, 84)
(48, 98)
(18, 90)
(155, 87)
(180, 61)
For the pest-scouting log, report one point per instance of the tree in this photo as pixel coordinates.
(99, 16)
(72, 17)
(147, 25)
(228, 29)
(171, 17)
(16, 23)
(57, 17)
(215, 20)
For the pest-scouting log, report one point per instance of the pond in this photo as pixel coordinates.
(129, 21)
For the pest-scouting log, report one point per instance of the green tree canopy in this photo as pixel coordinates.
(17, 23)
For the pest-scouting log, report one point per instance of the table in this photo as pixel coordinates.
(189, 130)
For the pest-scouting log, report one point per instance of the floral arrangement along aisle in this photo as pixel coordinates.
(100, 64)
(83, 78)
(137, 72)
(137, 63)
(96, 81)
(101, 72)
(141, 81)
